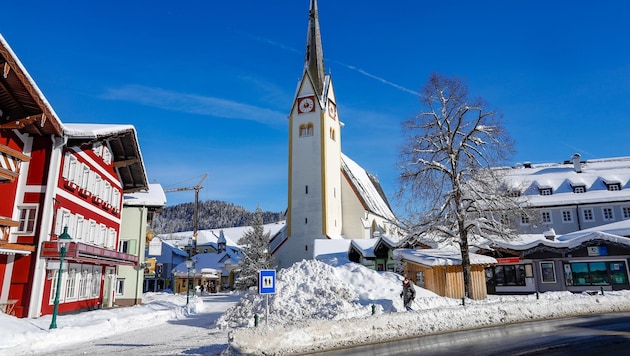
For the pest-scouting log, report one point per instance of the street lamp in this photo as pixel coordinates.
(189, 264)
(62, 244)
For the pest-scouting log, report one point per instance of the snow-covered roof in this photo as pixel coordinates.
(568, 241)
(365, 246)
(594, 175)
(441, 257)
(210, 237)
(154, 196)
(324, 247)
(212, 260)
(368, 188)
(124, 145)
(621, 228)
(20, 86)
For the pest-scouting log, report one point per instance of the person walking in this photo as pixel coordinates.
(408, 293)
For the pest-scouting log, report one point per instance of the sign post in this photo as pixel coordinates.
(266, 286)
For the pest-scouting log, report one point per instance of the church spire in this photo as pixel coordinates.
(314, 61)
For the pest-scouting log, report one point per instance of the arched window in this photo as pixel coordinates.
(306, 129)
(332, 134)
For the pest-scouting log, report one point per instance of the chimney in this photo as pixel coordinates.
(550, 234)
(527, 164)
(576, 163)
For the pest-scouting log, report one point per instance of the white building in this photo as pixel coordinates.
(330, 196)
(573, 195)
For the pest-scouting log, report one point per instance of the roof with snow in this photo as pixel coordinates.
(207, 262)
(123, 143)
(24, 106)
(568, 241)
(153, 197)
(593, 176)
(365, 247)
(441, 257)
(210, 237)
(368, 188)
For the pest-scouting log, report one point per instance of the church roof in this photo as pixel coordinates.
(367, 188)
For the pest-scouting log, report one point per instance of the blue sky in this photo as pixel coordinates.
(209, 84)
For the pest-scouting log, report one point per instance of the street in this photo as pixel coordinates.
(190, 336)
(607, 334)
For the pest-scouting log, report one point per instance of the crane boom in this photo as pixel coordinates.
(196, 188)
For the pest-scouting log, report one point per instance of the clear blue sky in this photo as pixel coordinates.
(209, 84)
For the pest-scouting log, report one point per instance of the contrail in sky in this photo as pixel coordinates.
(359, 70)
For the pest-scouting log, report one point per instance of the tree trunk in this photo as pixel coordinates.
(463, 247)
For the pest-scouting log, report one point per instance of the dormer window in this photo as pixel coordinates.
(613, 186)
(545, 191)
(514, 193)
(579, 189)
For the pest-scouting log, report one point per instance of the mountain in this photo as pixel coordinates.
(212, 215)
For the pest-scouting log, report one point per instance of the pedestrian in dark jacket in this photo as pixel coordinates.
(408, 293)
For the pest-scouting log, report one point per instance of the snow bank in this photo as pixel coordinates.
(320, 307)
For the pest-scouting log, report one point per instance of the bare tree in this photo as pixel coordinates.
(448, 181)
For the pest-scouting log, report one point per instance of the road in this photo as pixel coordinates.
(191, 336)
(607, 334)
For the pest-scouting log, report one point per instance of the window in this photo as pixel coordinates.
(85, 176)
(514, 193)
(96, 284)
(567, 216)
(92, 231)
(53, 288)
(84, 280)
(504, 219)
(579, 189)
(509, 275)
(62, 219)
(332, 134)
(306, 189)
(546, 217)
(524, 219)
(595, 273)
(80, 229)
(545, 191)
(71, 284)
(613, 186)
(548, 273)
(107, 156)
(588, 214)
(608, 214)
(27, 219)
(306, 129)
(120, 286)
(626, 212)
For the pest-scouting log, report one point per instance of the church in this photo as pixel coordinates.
(330, 197)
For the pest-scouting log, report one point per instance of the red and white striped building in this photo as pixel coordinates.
(55, 175)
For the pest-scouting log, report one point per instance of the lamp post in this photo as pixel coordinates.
(189, 264)
(62, 244)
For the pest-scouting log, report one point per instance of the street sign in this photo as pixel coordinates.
(267, 281)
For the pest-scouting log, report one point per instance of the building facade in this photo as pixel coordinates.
(329, 195)
(57, 176)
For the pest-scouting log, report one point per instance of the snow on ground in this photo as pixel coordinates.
(317, 306)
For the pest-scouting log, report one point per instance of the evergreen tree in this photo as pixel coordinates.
(256, 254)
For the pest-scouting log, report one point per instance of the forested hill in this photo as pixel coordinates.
(212, 215)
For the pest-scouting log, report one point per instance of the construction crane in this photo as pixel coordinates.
(196, 188)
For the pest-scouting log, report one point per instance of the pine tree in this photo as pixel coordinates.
(256, 254)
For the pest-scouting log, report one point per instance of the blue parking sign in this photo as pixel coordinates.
(267, 281)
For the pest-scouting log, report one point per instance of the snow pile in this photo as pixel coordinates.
(319, 307)
(311, 289)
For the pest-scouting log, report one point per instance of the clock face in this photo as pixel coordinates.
(306, 104)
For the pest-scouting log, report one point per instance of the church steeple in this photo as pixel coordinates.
(314, 61)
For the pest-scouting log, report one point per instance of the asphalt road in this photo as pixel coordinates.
(607, 334)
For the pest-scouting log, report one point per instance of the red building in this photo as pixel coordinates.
(54, 176)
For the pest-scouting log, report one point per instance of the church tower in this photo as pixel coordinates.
(314, 194)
